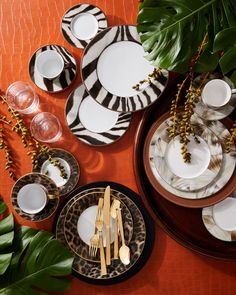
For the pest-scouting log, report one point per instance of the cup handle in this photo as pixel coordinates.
(68, 65)
(52, 197)
(233, 90)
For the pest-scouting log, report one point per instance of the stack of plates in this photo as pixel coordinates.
(99, 111)
(169, 198)
(202, 182)
(74, 226)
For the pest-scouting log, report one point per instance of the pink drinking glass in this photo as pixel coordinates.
(22, 97)
(46, 127)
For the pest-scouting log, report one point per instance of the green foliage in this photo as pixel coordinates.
(3, 207)
(225, 41)
(172, 30)
(31, 261)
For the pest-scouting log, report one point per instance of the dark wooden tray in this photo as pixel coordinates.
(183, 224)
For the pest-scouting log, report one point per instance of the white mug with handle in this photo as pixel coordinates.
(217, 93)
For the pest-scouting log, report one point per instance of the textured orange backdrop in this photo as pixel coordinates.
(26, 25)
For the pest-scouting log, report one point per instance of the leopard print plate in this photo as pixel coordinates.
(74, 169)
(71, 219)
(140, 244)
(50, 187)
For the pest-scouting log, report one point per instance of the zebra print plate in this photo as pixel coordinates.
(74, 123)
(81, 23)
(112, 64)
(59, 83)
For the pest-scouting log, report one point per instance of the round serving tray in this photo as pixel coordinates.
(183, 224)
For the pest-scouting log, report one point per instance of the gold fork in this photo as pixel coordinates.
(94, 241)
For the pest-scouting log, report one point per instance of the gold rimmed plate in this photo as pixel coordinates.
(48, 185)
(70, 164)
(140, 244)
(78, 234)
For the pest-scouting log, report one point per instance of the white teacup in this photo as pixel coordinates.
(32, 198)
(216, 93)
(50, 64)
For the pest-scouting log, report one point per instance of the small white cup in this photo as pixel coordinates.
(216, 93)
(32, 198)
(49, 64)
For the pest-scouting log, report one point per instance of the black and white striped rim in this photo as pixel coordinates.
(61, 82)
(76, 10)
(72, 118)
(91, 79)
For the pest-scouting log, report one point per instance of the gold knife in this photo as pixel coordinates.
(106, 208)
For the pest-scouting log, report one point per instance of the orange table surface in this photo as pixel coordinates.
(25, 25)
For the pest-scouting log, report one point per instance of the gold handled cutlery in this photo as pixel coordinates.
(99, 227)
(107, 197)
(124, 251)
(114, 206)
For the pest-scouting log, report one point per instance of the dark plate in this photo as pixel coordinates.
(141, 243)
(183, 224)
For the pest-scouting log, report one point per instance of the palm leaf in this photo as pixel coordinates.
(172, 30)
(3, 207)
(37, 266)
(31, 261)
(225, 42)
(6, 239)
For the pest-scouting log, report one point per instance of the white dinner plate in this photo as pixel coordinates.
(113, 62)
(165, 157)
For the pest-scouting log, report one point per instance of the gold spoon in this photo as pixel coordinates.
(115, 205)
(124, 251)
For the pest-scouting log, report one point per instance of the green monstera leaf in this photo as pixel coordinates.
(6, 238)
(172, 30)
(225, 42)
(31, 261)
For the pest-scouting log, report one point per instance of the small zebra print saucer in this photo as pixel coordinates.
(59, 83)
(92, 123)
(81, 23)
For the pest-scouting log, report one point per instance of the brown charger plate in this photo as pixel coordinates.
(191, 202)
(183, 224)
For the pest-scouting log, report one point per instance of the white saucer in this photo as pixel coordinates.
(81, 23)
(211, 114)
(103, 119)
(90, 122)
(220, 219)
(86, 226)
